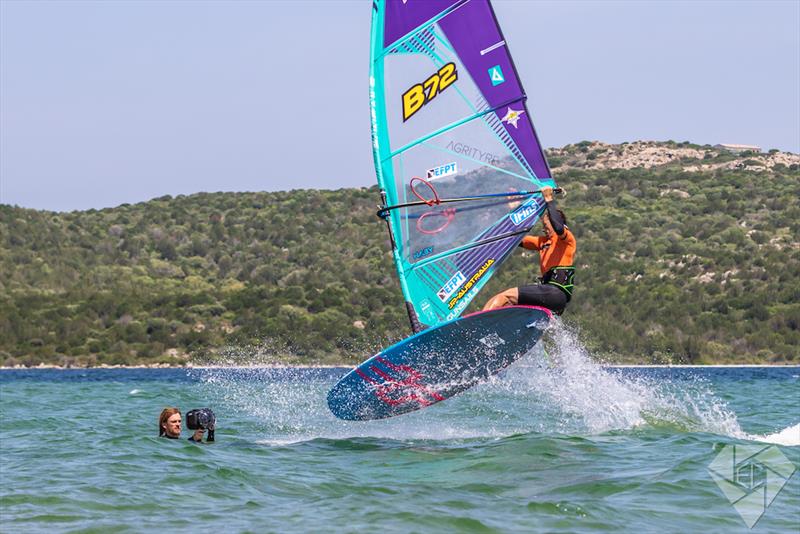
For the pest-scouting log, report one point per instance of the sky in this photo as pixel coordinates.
(108, 102)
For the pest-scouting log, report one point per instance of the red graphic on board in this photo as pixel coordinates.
(402, 388)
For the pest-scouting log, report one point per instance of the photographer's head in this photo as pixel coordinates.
(169, 423)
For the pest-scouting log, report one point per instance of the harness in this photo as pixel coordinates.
(561, 277)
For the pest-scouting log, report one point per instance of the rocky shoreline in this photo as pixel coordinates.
(648, 154)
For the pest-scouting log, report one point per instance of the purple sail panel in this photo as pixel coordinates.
(473, 32)
(404, 16)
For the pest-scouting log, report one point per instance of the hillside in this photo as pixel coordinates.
(686, 257)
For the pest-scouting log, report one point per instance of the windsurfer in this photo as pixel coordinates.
(556, 252)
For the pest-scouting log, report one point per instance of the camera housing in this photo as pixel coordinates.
(202, 418)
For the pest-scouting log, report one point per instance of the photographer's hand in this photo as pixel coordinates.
(198, 434)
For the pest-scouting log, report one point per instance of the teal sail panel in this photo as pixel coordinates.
(456, 154)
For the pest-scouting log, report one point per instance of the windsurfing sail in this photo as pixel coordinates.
(456, 155)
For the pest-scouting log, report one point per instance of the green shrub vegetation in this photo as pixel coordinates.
(307, 275)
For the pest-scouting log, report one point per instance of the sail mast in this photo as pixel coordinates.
(412, 314)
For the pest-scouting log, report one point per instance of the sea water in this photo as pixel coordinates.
(555, 443)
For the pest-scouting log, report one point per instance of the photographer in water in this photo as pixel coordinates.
(199, 420)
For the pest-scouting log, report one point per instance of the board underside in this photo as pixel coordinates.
(437, 363)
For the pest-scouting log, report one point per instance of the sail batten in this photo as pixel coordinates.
(449, 127)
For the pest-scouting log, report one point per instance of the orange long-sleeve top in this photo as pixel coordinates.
(554, 251)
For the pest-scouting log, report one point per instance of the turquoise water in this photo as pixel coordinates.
(558, 444)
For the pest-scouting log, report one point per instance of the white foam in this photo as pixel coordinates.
(595, 399)
(565, 392)
(789, 437)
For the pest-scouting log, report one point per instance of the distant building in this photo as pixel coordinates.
(738, 149)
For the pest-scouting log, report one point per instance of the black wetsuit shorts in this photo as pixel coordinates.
(544, 295)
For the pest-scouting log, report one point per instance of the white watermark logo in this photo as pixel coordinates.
(751, 476)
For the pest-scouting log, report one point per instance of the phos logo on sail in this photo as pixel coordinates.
(421, 93)
(521, 214)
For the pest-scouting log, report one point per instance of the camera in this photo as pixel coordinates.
(202, 418)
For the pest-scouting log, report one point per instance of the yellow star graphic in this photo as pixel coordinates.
(512, 116)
